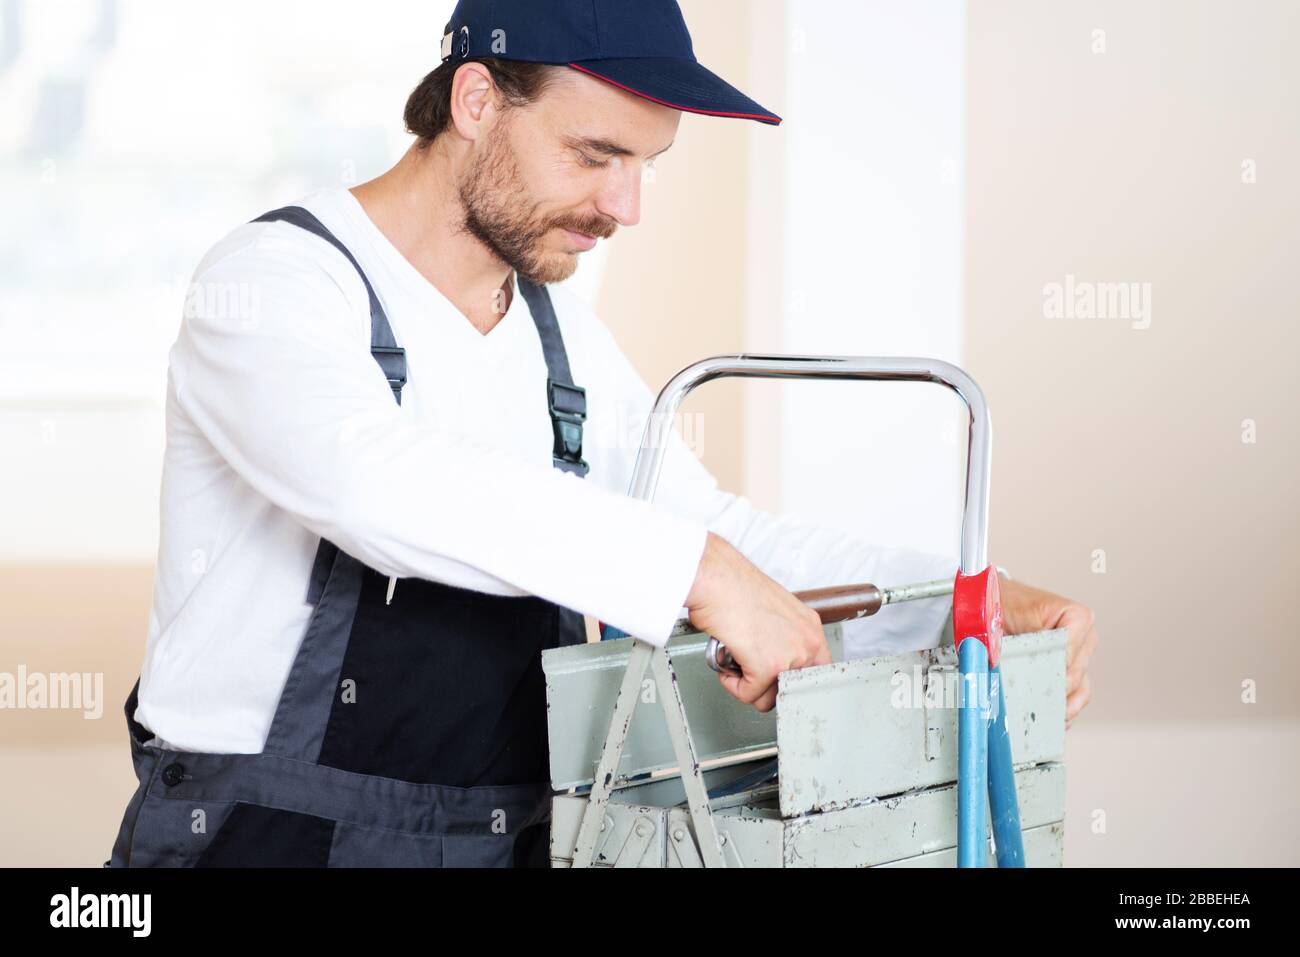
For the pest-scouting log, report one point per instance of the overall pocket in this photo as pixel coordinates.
(256, 836)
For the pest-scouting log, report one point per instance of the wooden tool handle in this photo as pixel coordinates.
(837, 603)
(842, 602)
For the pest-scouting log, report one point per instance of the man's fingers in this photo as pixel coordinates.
(738, 687)
(767, 701)
(1077, 701)
(1076, 668)
(746, 689)
(1083, 635)
(1080, 653)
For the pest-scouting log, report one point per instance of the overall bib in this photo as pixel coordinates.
(410, 734)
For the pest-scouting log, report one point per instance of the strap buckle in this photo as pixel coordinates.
(392, 360)
(568, 407)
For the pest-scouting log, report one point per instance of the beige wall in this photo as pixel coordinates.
(87, 619)
(1126, 166)
(68, 777)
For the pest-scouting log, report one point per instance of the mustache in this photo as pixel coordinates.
(599, 226)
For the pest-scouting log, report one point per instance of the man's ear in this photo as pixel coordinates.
(473, 101)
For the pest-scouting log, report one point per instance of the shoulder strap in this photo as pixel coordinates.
(568, 405)
(566, 401)
(383, 346)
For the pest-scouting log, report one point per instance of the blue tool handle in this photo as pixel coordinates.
(1003, 803)
(972, 754)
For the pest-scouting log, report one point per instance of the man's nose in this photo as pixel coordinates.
(620, 197)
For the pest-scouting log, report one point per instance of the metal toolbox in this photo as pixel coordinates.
(876, 761)
(865, 758)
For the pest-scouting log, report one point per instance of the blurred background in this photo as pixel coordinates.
(1093, 207)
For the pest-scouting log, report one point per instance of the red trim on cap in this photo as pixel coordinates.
(764, 117)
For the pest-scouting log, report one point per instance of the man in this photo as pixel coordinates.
(378, 506)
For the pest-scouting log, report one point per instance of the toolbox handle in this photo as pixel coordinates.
(974, 528)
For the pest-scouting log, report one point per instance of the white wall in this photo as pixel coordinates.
(857, 234)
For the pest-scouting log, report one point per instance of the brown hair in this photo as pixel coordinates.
(428, 108)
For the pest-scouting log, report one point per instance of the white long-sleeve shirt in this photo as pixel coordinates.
(281, 430)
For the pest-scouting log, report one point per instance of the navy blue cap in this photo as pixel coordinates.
(641, 46)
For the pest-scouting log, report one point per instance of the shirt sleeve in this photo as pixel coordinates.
(796, 553)
(291, 399)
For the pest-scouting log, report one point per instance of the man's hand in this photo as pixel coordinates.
(766, 629)
(1026, 609)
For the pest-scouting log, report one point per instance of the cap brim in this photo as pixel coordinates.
(680, 83)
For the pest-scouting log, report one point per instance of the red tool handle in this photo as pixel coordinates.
(977, 611)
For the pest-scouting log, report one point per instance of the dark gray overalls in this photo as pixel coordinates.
(408, 734)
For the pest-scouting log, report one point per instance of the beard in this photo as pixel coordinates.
(502, 215)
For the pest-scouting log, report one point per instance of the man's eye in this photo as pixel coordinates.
(592, 162)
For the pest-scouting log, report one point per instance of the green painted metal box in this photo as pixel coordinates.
(865, 758)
